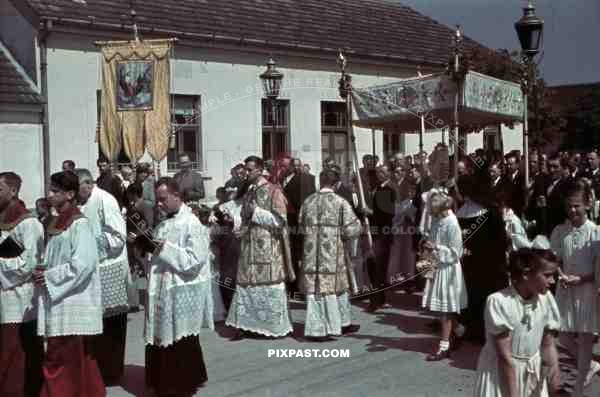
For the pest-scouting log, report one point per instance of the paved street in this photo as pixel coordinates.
(386, 359)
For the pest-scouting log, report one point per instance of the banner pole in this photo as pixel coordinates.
(361, 191)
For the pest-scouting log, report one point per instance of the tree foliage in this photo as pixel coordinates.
(546, 123)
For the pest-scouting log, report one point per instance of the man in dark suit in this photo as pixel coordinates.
(190, 182)
(495, 178)
(109, 182)
(297, 186)
(549, 202)
(593, 172)
(384, 198)
(513, 184)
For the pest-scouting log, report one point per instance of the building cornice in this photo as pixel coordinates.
(104, 31)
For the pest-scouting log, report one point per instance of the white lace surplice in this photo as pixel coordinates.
(260, 309)
(110, 231)
(506, 311)
(16, 284)
(71, 302)
(327, 315)
(179, 281)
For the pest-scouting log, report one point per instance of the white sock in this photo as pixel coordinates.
(444, 345)
(459, 330)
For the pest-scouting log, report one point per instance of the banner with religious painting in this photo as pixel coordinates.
(135, 112)
(135, 85)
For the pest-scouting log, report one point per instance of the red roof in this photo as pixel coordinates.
(369, 28)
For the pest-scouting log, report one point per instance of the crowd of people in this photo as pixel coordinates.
(482, 246)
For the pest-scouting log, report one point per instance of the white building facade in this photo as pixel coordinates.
(221, 113)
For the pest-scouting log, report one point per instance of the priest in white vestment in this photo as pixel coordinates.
(260, 303)
(110, 230)
(177, 281)
(70, 300)
(21, 350)
(327, 221)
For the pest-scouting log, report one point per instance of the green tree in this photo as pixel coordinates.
(546, 122)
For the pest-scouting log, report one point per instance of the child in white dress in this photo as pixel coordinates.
(519, 358)
(446, 292)
(576, 242)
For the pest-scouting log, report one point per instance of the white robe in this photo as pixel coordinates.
(110, 230)
(16, 285)
(177, 280)
(71, 302)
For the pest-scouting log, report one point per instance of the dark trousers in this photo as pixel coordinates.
(296, 243)
(377, 269)
(176, 370)
(228, 255)
(109, 348)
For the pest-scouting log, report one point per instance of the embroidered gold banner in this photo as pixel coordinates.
(135, 112)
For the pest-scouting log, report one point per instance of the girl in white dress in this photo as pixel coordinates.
(577, 242)
(446, 292)
(519, 358)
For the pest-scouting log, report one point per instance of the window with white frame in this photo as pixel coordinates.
(187, 123)
(275, 128)
(334, 132)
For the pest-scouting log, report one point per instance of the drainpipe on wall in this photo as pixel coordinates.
(44, 33)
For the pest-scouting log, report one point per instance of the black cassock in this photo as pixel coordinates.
(485, 268)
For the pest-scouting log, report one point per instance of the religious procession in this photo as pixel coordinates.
(175, 224)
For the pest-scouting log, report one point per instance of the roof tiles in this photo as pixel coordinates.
(367, 27)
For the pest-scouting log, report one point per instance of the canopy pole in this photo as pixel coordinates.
(361, 191)
(525, 140)
(373, 141)
(455, 136)
(421, 132)
(345, 87)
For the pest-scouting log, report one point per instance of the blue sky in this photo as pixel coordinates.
(571, 31)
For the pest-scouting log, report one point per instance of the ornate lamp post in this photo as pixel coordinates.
(271, 80)
(529, 29)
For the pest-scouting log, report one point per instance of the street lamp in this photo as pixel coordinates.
(271, 80)
(529, 29)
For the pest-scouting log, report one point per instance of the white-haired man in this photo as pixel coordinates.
(104, 214)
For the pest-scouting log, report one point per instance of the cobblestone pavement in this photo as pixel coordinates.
(386, 358)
